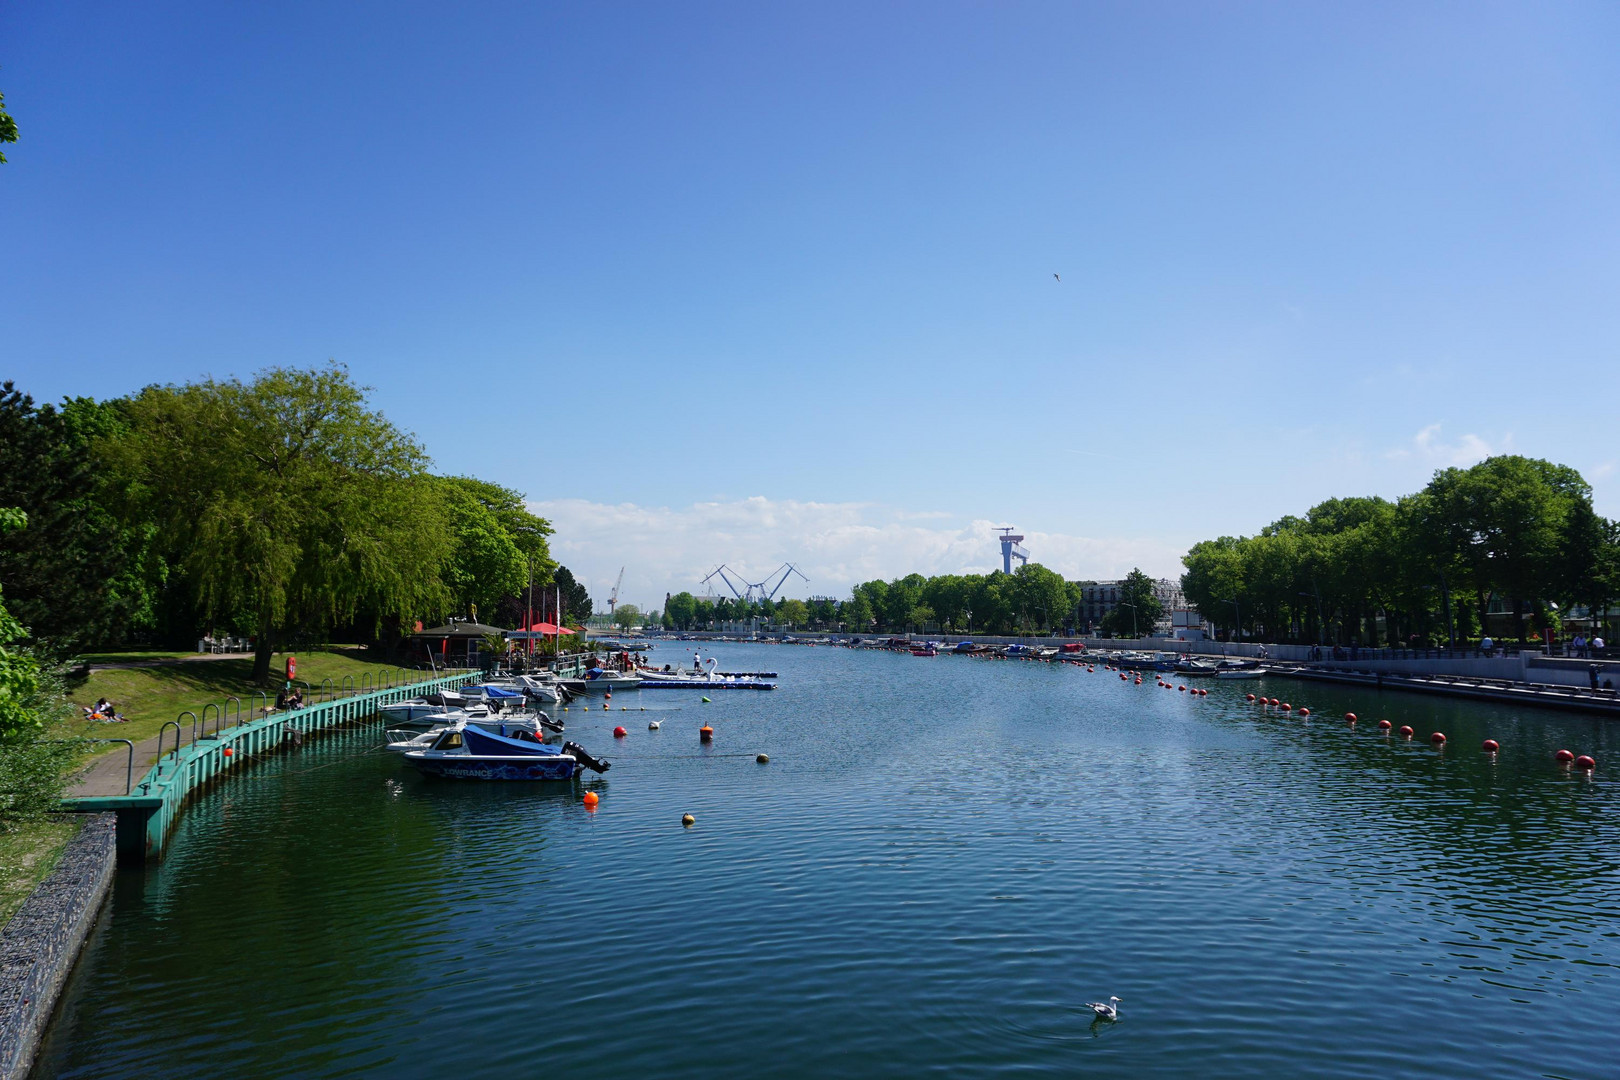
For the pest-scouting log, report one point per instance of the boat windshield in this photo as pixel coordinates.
(450, 740)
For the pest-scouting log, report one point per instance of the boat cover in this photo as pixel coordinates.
(480, 741)
(497, 691)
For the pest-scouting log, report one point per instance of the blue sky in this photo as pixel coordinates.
(778, 279)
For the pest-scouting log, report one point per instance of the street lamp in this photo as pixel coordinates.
(1126, 603)
(1238, 615)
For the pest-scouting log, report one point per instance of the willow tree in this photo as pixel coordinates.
(288, 498)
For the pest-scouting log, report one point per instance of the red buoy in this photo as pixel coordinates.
(1585, 763)
(1350, 716)
(1406, 730)
(1251, 697)
(229, 751)
(619, 733)
(1564, 756)
(1438, 738)
(1183, 689)
(1492, 746)
(1287, 707)
(1274, 701)
(1303, 711)
(1384, 725)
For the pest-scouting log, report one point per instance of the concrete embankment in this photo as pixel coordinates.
(40, 944)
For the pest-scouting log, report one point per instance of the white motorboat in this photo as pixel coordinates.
(418, 708)
(1241, 673)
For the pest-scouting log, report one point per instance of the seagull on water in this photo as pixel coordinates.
(1109, 1011)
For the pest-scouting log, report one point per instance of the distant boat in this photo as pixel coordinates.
(924, 650)
(1241, 673)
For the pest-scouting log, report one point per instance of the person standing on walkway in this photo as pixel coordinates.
(1591, 673)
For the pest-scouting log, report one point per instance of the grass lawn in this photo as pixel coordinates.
(149, 696)
(28, 852)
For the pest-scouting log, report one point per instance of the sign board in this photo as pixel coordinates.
(292, 667)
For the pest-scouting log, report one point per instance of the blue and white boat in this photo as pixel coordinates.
(466, 752)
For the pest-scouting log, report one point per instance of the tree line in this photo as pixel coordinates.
(1033, 599)
(283, 508)
(1507, 547)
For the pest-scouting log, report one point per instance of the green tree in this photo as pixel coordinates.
(286, 496)
(1139, 607)
(495, 542)
(856, 613)
(794, 613)
(8, 127)
(681, 610)
(79, 574)
(626, 615)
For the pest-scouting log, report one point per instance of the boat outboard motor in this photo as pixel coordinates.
(577, 752)
(555, 726)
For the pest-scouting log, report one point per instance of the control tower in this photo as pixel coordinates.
(1011, 547)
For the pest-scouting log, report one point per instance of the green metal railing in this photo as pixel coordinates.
(147, 814)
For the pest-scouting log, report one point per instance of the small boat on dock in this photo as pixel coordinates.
(924, 650)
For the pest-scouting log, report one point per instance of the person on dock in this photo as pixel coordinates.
(1591, 673)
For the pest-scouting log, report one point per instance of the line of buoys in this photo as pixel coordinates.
(1491, 746)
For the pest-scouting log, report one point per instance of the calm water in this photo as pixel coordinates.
(943, 861)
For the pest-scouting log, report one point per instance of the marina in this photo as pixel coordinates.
(1031, 838)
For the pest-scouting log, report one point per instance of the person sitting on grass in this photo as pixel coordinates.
(104, 712)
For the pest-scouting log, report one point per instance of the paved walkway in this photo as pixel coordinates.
(107, 773)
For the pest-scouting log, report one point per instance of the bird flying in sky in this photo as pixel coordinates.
(1059, 279)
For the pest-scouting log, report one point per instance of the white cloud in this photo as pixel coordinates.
(835, 545)
(1429, 448)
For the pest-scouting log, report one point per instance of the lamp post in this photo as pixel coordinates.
(1134, 632)
(1238, 615)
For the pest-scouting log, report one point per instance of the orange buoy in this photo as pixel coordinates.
(1564, 756)
(609, 694)
(1350, 716)
(705, 733)
(619, 733)
(1586, 763)
(1438, 738)
(1384, 725)
(1406, 730)
(229, 751)
(591, 799)
(1492, 746)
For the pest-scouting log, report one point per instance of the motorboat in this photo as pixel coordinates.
(467, 752)
(924, 650)
(1240, 673)
(417, 709)
(1189, 666)
(414, 738)
(601, 681)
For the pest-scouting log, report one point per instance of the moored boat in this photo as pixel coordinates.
(466, 752)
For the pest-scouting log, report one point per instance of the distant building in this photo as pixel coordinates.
(1098, 599)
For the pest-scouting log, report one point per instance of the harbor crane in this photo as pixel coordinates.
(752, 592)
(613, 600)
(1011, 547)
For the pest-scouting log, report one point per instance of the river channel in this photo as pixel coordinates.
(944, 860)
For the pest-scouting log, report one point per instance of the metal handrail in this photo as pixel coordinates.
(177, 733)
(260, 709)
(193, 716)
(346, 687)
(217, 718)
(327, 691)
(238, 701)
(129, 767)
